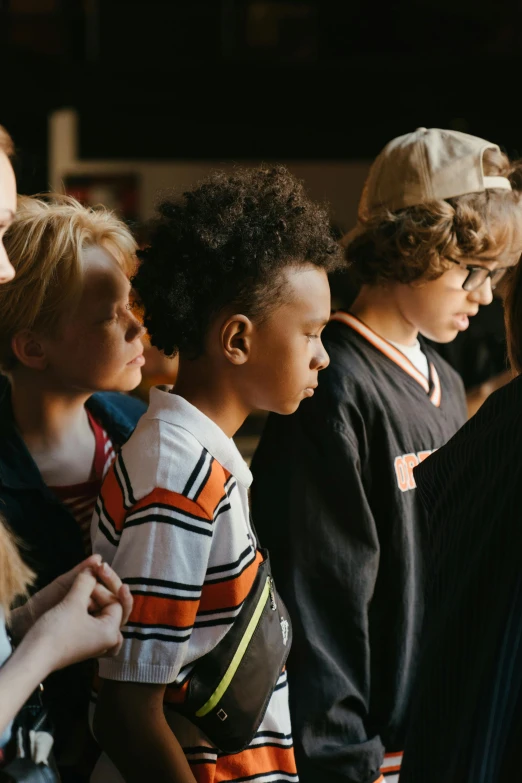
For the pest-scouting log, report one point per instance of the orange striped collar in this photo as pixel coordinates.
(433, 389)
(392, 763)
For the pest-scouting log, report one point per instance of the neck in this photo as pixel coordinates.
(212, 393)
(377, 308)
(46, 416)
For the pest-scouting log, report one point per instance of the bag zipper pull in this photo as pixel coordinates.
(273, 604)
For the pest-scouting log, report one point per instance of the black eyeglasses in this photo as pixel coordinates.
(477, 275)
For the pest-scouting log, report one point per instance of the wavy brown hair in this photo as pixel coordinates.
(513, 318)
(415, 242)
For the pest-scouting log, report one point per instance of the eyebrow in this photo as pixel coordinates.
(317, 322)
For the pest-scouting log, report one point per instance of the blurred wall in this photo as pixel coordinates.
(338, 183)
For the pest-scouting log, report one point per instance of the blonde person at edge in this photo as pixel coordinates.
(70, 347)
(77, 616)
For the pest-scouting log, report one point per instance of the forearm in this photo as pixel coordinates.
(24, 671)
(140, 742)
(20, 621)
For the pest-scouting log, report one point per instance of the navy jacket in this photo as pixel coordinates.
(51, 540)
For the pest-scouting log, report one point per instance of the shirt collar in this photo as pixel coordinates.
(175, 410)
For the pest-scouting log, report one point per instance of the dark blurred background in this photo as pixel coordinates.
(256, 79)
(114, 100)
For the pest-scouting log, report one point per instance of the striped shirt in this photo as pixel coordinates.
(80, 499)
(173, 521)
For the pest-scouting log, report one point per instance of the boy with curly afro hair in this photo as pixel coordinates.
(334, 494)
(235, 282)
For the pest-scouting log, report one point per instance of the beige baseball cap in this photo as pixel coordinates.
(429, 164)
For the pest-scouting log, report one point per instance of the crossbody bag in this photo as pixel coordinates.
(230, 687)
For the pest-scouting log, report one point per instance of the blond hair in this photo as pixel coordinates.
(6, 142)
(416, 242)
(15, 576)
(44, 244)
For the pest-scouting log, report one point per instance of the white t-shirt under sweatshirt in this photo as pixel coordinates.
(416, 356)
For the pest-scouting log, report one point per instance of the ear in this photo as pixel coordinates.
(28, 349)
(236, 338)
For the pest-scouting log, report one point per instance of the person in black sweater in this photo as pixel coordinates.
(334, 495)
(466, 715)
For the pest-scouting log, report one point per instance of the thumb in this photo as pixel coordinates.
(82, 587)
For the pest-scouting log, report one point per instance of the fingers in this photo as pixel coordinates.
(112, 651)
(108, 577)
(121, 592)
(91, 562)
(126, 600)
(110, 619)
(111, 614)
(101, 597)
(82, 588)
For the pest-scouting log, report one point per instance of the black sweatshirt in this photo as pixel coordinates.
(466, 714)
(334, 500)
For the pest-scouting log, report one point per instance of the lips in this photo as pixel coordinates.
(461, 320)
(138, 360)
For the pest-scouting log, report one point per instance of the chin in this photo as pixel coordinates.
(442, 336)
(287, 409)
(129, 382)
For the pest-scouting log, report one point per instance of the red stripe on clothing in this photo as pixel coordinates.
(152, 610)
(254, 761)
(212, 493)
(232, 592)
(177, 501)
(80, 499)
(112, 499)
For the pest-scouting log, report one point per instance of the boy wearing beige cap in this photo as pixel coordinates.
(334, 498)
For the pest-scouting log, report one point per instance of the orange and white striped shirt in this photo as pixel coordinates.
(173, 521)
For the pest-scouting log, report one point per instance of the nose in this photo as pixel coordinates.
(136, 329)
(321, 360)
(483, 295)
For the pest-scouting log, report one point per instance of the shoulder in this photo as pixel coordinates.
(490, 439)
(163, 456)
(352, 358)
(117, 410)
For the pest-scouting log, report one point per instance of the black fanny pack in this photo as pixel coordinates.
(231, 686)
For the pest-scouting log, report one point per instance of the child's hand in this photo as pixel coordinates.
(109, 588)
(69, 632)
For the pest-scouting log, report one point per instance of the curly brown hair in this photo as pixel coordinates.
(226, 243)
(415, 242)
